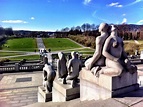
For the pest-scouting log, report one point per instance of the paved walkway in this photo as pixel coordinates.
(40, 43)
(19, 89)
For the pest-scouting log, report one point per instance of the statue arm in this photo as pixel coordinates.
(69, 66)
(124, 53)
(98, 50)
(58, 65)
(106, 48)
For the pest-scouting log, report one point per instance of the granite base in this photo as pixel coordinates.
(64, 92)
(105, 86)
(43, 96)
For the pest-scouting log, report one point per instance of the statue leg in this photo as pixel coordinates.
(74, 82)
(116, 67)
(88, 63)
(48, 87)
(44, 77)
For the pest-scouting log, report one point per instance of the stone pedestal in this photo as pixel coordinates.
(105, 86)
(64, 92)
(43, 96)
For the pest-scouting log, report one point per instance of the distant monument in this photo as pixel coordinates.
(74, 67)
(61, 67)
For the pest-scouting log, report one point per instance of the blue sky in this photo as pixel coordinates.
(52, 15)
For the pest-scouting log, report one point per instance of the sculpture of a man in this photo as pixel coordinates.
(48, 77)
(116, 58)
(61, 67)
(98, 59)
(74, 67)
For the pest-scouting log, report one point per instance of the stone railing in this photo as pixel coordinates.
(17, 67)
(7, 68)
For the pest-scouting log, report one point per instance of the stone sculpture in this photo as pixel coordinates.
(98, 59)
(74, 67)
(109, 53)
(61, 67)
(48, 77)
(116, 58)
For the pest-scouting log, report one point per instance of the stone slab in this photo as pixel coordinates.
(110, 82)
(92, 91)
(43, 96)
(64, 92)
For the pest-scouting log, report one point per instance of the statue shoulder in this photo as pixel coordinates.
(98, 39)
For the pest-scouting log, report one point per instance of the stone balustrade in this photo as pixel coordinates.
(17, 67)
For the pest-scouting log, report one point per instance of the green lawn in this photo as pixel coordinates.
(30, 57)
(56, 44)
(20, 44)
(3, 54)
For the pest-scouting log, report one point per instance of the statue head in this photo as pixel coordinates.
(103, 27)
(113, 28)
(73, 54)
(60, 55)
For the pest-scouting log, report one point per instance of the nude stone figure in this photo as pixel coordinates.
(74, 67)
(48, 77)
(98, 59)
(61, 67)
(116, 58)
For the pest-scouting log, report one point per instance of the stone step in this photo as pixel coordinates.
(71, 103)
(111, 102)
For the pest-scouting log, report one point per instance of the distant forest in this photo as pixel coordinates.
(126, 31)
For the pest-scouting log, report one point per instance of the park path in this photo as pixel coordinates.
(40, 43)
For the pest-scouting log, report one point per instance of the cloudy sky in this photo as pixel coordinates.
(57, 14)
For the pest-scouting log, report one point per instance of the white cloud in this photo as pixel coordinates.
(32, 18)
(140, 22)
(85, 2)
(136, 1)
(113, 4)
(124, 20)
(13, 21)
(116, 4)
(124, 14)
(119, 6)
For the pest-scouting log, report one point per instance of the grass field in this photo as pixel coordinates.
(3, 54)
(20, 44)
(30, 57)
(56, 44)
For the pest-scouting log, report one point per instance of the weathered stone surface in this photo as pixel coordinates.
(110, 82)
(105, 86)
(43, 96)
(64, 92)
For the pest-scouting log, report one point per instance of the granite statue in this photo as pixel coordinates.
(74, 67)
(62, 67)
(48, 77)
(116, 57)
(98, 60)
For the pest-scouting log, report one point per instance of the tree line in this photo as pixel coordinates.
(6, 31)
(125, 31)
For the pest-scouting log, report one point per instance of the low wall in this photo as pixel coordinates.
(17, 67)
